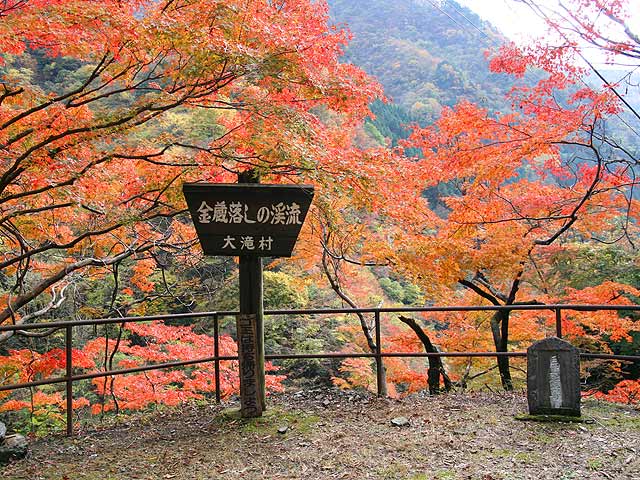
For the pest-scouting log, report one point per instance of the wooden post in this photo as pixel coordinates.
(250, 222)
(216, 353)
(251, 303)
(381, 381)
(250, 398)
(69, 373)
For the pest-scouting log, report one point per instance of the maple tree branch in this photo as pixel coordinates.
(134, 87)
(522, 218)
(629, 162)
(7, 92)
(334, 282)
(482, 280)
(135, 117)
(586, 33)
(627, 29)
(23, 299)
(346, 259)
(17, 138)
(56, 302)
(327, 237)
(64, 183)
(573, 216)
(543, 280)
(479, 291)
(10, 230)
(467, 378)
(28, 211)
(515, 285)
(25, 113)
(149, 157)
(156, 201)
(49, 245)
(8, 6)
(610, 86)
(598, 39)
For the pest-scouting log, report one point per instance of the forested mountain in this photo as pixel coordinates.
(426, 54)
(431, 53)
(531, 198)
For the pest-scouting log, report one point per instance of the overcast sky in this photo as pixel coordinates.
(516, 21)
(520, 24)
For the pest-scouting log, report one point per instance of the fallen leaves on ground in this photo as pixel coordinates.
(348, 435)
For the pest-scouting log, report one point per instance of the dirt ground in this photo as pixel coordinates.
(327, 434)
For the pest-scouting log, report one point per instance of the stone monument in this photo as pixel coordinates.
(553, 378)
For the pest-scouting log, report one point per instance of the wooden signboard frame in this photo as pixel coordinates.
(249, 220)
(245, 219)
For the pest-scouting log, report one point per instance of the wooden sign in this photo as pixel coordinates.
(248, 219)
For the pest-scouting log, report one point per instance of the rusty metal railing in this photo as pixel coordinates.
(69, 378)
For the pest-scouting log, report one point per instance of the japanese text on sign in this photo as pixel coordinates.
(248, 242)
(237, 212)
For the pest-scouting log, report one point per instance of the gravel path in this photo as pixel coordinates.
(327, 434)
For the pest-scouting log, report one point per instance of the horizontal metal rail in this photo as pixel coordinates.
(305, 356)
(378, 355)
(329, 311)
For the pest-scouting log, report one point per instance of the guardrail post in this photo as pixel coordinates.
(69, 380)
(216, 354)
(379, 368)
(558, 322)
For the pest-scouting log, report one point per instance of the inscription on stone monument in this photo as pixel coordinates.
(250, 403)
(553, 378)
(555, 384)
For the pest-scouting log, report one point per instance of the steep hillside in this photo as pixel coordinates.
(426, 53)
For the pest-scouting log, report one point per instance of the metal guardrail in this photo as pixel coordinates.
(378, 355)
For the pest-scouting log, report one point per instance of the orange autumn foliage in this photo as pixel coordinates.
(626, 391)
(162, 343)
(91, 170)
(90, 175)
(520, 186)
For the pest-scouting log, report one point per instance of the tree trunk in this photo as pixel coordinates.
(373, 347)
(500, 331)
(436, 367)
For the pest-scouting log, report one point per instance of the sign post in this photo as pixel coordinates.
(250, 369)
(251, 221)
